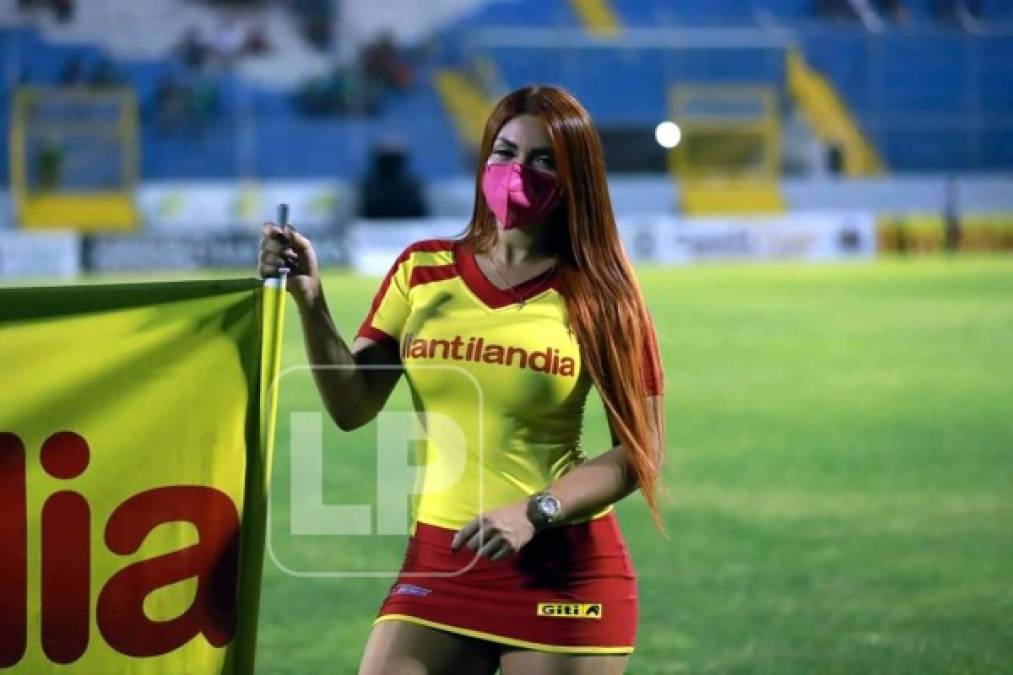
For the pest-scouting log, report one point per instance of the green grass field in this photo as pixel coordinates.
(839, 486)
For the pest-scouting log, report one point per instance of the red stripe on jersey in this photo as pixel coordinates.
(492, 295)
(377, 335)
(427, 273)
(427, 245)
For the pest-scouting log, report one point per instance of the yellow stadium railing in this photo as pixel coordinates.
(51, 116)
(830, 118)
(597, 16)
(729, 157)
(465, 102)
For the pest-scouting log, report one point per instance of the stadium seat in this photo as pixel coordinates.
(898, 86)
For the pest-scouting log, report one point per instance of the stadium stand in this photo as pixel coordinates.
(927, 79)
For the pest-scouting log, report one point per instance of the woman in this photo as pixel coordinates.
(515, 560)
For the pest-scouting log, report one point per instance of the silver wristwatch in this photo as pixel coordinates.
(543, 510)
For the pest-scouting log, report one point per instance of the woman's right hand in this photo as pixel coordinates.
(284, 247)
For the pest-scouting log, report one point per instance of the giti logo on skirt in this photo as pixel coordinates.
(570, 610)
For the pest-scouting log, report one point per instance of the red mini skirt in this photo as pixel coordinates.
(571, 589)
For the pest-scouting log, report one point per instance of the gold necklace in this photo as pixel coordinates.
(520, 301)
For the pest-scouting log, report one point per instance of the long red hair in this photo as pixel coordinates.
(604, 303)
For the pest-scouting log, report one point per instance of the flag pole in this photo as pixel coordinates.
(259, 467)
(283, 223)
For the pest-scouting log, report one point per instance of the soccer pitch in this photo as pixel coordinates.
(839, 481)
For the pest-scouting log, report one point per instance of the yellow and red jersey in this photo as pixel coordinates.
(499, 383)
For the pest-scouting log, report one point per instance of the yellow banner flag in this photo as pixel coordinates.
(136, 432)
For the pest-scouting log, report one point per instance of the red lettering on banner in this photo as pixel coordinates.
(66, 552)
(213, 560)
(65, 578)
(14, 551)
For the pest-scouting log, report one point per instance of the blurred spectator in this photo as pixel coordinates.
(187, 106)
(228, 41)
(802, 153)
(381, 67)
(105, 74)
(388, 189)
(72, 74)
(193, 48)
(49, 164)
(345, 91)
(385, 65)
(319, 96)
(319, 33)
(63, 10)
(205, 101)
(952, 229)
(835, 159)
(316, 21)
(892, 9)
(172, 104)
(256, 41)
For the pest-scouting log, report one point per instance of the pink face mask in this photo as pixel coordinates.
(519, 195)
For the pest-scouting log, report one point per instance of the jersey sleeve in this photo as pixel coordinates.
(654, 376)
(390, 307)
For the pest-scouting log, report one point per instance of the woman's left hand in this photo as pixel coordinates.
(501, 532)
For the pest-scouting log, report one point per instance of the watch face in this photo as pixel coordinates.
(543, 510)
(548, 505)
